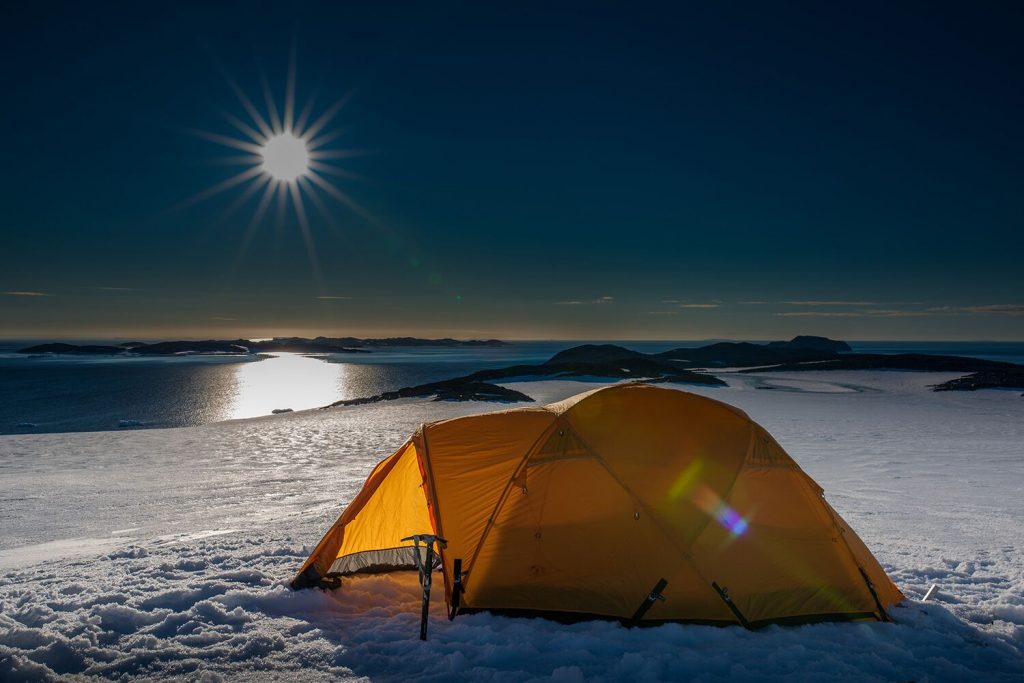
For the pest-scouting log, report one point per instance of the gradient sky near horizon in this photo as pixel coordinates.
(532, 170)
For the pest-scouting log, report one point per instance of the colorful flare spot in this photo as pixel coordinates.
(731, 520)
(685, 482)
(701, 495)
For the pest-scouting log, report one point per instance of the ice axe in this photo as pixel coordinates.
(426, 569)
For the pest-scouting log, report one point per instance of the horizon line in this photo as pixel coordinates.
(88, 338)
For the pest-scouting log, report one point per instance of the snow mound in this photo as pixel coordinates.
(162, 616)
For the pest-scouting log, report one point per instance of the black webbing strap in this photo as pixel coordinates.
(649, 601)
(724, 594)
(882, 614)
(457, 589)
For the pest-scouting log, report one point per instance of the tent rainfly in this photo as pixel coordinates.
(633, 502)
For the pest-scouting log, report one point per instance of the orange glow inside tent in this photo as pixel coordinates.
(580, 507)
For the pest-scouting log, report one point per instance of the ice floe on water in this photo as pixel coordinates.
(148, 554)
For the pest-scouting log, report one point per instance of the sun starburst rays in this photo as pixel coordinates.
(286, 151)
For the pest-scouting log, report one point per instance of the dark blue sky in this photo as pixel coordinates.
(536, 170)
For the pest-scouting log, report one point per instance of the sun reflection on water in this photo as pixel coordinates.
(285, 380)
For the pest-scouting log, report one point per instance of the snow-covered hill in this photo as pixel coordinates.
(165, 553)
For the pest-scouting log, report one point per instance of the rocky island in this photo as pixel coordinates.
(694, 366)
(447, 390)
(247, 346)
(998, 378)
(606, 361)
(172, 348)
(898, 361)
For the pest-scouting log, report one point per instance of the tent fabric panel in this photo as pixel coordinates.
(771, 575)
(472, 461)
(665, 446)
(778, 498)
(572, 542)
(771, 543)
(395, 510)
(787, 558)
(318, 564)
(887, 591)
(368, 523)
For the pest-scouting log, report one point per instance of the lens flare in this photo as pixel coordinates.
(713, 505)
(689, 486)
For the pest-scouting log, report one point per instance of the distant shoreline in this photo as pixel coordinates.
(247, 346)
(54, 393)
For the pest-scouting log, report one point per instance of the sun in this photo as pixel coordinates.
(288, 156)
(285, 157)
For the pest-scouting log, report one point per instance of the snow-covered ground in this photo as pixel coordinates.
(165, 553)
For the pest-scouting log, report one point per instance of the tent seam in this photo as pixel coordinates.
(432, 501)
(504, 497)
(429, 469)
(841, 533)
(736, 477)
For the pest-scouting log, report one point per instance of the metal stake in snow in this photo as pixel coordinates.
(929, 593)
(426, 569)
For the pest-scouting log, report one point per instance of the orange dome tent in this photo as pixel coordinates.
(580, 507)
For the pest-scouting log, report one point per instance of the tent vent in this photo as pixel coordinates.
(561, 445)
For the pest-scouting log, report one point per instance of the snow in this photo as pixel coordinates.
(148, 554)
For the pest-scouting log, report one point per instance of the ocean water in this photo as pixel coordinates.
(96, 393)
